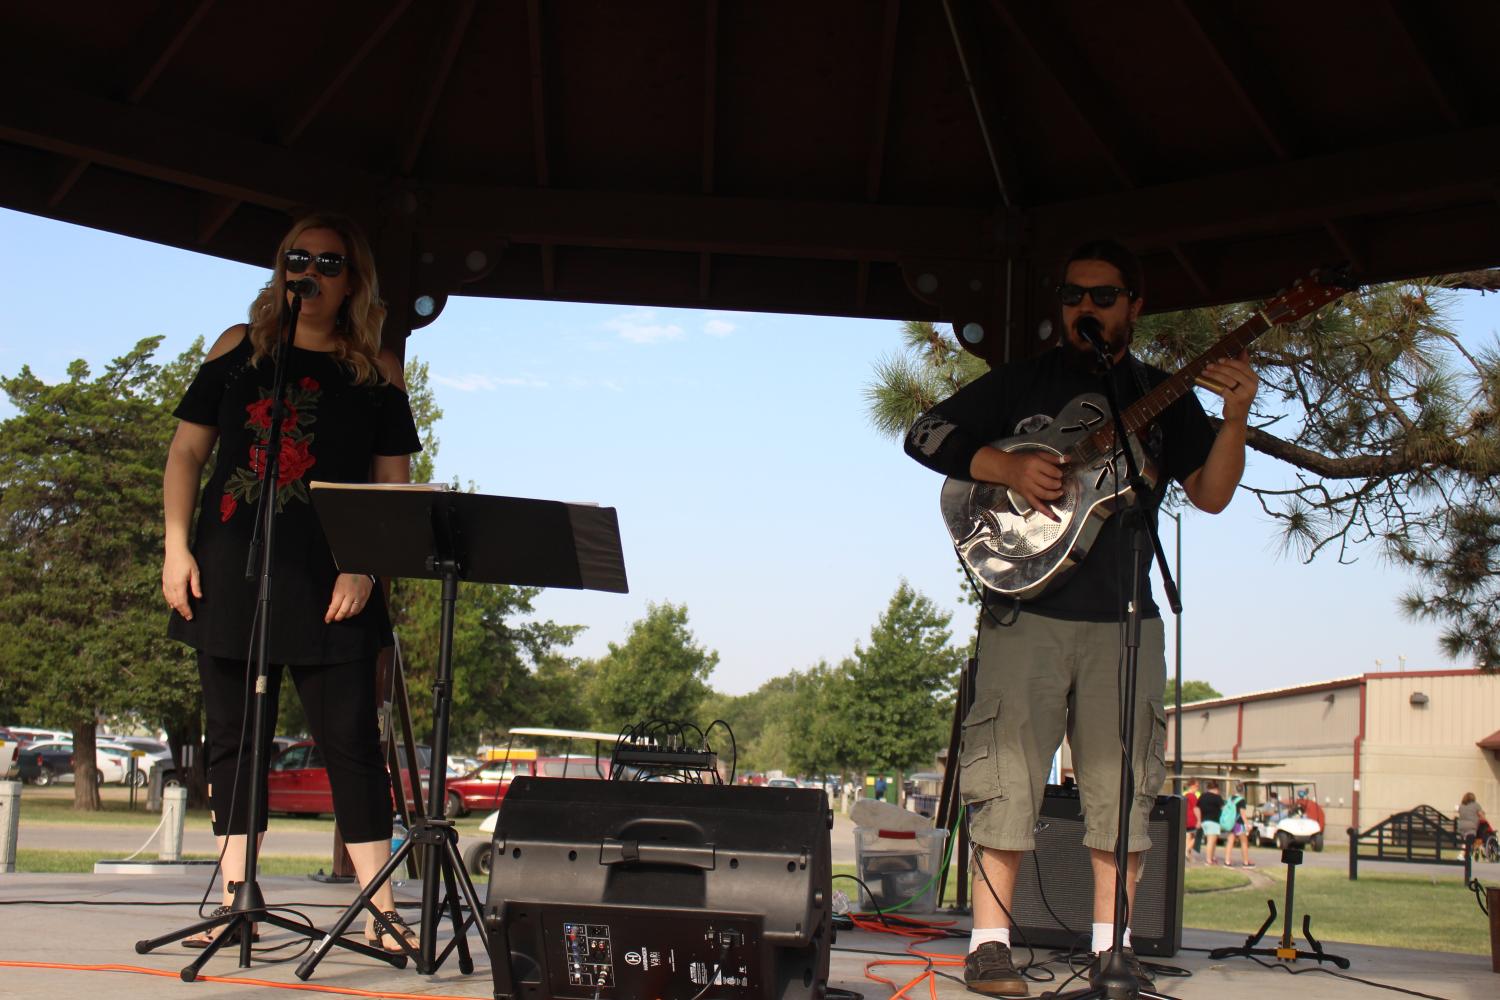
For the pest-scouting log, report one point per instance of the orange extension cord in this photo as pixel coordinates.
(920, 932)
(235, 980)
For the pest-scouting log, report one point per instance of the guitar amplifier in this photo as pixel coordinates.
(632, 889)
(1058, 875)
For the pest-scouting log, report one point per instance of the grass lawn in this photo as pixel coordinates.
(1205, 879)
(1400, 911)
(75, 862)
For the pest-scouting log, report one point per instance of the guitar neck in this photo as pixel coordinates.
(1149, 407)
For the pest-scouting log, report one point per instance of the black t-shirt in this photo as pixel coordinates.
(1210, 805)
(333, 428)
(1023, 398)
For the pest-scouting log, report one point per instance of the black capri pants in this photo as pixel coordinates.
(339, 699)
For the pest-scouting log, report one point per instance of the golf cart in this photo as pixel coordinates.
(478, 856)
(1275, 814)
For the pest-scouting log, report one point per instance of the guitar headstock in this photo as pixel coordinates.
(1309, 294)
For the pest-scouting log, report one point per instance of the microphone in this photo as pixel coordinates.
(1092, 331)
(307, 288)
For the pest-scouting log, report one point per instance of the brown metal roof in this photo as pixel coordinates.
(883, 158)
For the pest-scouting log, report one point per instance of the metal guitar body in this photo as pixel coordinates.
(1018, 551)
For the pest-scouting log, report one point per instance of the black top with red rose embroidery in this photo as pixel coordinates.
(332, 430)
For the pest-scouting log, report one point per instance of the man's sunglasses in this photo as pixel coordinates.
(1104, 296)
(329, 265)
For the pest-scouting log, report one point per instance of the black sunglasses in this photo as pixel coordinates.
(329, 265)
(1104, 296)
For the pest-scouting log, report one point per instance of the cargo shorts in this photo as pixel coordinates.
(1038, 679)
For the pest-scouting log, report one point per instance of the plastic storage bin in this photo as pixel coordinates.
(898, 865)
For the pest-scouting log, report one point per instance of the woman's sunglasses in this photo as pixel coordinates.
(1104, 296)
(329, 265)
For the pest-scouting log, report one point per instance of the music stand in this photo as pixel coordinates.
(432, 532)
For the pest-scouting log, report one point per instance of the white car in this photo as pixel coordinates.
(143, 764)
(110, 764)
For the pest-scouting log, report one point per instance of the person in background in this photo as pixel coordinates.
(1470, 817)
(1193, 817)
(1210, 806)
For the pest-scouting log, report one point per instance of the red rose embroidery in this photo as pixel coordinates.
(309, 383)
(227, 506)
(260, 414)
(296, 459)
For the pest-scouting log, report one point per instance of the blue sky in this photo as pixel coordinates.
(749, 482)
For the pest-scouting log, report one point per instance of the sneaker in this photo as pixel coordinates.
(990, 970)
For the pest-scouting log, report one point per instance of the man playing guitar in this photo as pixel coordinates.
(1050, 664)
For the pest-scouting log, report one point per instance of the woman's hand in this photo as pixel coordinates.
(179, 574)
(351, 592)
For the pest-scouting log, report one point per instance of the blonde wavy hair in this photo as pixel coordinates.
(361, 317)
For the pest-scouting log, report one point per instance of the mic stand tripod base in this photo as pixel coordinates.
(1111, 980)
(248, 909)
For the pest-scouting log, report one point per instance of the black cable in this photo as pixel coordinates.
(718, 971)
(1477, 887)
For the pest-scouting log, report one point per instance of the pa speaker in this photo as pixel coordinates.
(1054, 898)
(657, 889)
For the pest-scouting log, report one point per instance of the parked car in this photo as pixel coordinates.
(10, 748)
(49, 761)
(298, 781)
(484, 788)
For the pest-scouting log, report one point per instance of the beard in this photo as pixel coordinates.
(1081, 356)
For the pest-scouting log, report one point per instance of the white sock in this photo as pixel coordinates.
(979, 936)
(1104, 937)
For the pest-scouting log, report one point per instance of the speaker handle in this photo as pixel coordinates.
(624, 852)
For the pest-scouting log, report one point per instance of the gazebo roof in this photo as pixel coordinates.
(854, 157)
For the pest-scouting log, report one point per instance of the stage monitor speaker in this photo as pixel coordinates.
(633, 889)
(1054, 900)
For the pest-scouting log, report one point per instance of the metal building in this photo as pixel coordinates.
(1375, 743)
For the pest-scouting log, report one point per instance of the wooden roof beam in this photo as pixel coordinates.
(884, 81)
(538, 91)
(983, 95)
(1429, 171)
(437, 78)
(1079, 87)
(153, 48)
(341, 73)
(1252, 98)
(44, 115)
(710, 128)
(1447, 93)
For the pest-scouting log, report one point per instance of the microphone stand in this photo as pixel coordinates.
(249, 904)
(1112, 978)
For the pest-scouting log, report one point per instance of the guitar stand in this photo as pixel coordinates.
(1285, 950)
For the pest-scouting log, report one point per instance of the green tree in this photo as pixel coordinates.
(81, 615)
(1197, 691)
(1388, 423)
(658, 672)
(895, 707)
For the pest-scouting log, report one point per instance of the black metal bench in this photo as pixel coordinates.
(1417, 836)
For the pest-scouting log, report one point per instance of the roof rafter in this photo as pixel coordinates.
(982, 92)
(341, 73)
(710, 127)
(1077, 84)
(1446, 92)
(883, 89)
(538, 91)
(437, 77)
(1251, 93)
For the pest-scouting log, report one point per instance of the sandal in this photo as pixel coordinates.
(400, 926)
(202, 940)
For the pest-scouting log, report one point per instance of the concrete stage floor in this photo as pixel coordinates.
(118, 910)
